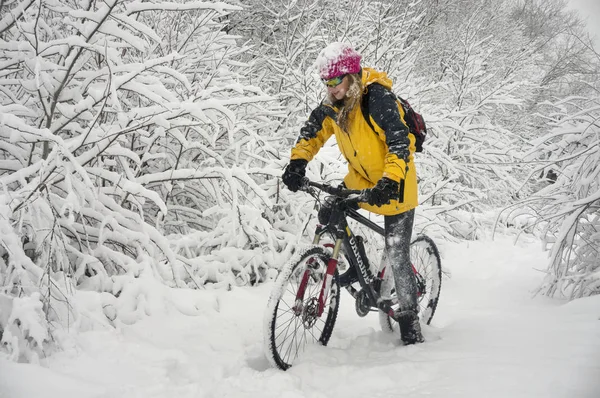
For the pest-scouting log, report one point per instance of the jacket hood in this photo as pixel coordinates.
(370, 76)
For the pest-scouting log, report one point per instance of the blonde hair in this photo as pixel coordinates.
(352, 99)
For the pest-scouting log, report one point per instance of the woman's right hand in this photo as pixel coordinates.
(294, 173)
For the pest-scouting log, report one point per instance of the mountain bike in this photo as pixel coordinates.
(303, 305)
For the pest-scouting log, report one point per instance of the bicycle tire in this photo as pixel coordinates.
(305, 324)
(426, 260)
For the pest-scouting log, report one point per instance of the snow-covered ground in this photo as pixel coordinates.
(489, 338)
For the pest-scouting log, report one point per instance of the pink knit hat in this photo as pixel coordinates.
(337, 59)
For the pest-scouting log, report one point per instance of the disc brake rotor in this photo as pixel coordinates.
(310, 316)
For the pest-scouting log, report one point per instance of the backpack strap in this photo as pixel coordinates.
(364, 104)
(364, 108)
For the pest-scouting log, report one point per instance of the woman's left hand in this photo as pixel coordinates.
(385, 190)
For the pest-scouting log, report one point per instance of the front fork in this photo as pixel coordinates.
(328, 277)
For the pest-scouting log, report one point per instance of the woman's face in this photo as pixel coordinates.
(339, 91)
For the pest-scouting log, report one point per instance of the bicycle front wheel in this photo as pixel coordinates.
(427, 268)
(292, 319)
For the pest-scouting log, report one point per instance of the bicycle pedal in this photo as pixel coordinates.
(385, 305)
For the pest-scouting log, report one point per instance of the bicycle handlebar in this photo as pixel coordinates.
(350, 195)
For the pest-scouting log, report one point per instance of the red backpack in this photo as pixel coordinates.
(414, 121)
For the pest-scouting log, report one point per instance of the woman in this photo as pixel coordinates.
(379, 158)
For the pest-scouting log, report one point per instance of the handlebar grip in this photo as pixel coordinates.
(304, 184)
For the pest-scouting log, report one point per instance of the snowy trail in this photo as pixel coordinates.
(489, 338)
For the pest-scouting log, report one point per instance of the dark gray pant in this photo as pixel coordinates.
(398, 231)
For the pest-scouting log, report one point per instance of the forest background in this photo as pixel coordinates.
(142, 143)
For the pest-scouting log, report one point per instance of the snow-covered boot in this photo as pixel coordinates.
(410, 328)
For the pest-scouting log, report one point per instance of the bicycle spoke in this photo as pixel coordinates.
(294, 292)
(285, 312)
(285, 330)
(305, 338)
(312, 334)
(277, 327)
(292, 345)
(297, 339)
(320, 330)
(290, 308)
(286, 303)
(285, 355)
(293, 337)
(292, 320)
(298, 343)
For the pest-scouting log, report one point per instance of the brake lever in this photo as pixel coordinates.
(304, 184)
(359, 197)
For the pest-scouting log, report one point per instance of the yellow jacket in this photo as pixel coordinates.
(386, 152)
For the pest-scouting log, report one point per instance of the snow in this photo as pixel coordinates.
(330, 53)
(489, 338)
(136, 7)
(328, 62)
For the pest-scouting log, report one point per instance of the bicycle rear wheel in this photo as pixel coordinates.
(427, 265)
(292, 323)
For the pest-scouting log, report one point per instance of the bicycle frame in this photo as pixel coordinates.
(344, 237)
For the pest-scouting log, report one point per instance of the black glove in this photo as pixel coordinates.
(294, 173)
(383, 192)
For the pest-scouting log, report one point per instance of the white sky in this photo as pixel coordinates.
(590, 12)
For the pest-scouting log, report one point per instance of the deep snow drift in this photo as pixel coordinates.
(489, 338)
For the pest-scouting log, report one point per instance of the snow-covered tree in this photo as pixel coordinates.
(117, 131)
(567, 205)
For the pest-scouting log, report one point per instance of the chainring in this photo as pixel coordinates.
(362, 304)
